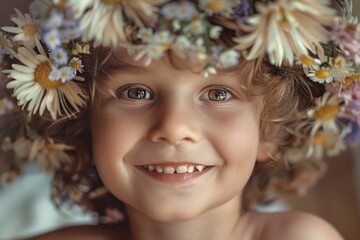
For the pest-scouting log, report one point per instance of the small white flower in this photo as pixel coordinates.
(196, 27)
(66, 74)
(229, 58)
(186, 11)
(54, 75)
(170, 10)
(209, 70)
(59, 56)
(76, 65)
(215, 32)
(162, 37)
(183, 11)
(5, 106)
(55, 20)
(52, 39)
(150, 52)
(145, 34)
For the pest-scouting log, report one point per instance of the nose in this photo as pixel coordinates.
(176, 123)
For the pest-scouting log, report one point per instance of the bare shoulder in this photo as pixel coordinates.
(89, 232)
(296, 226)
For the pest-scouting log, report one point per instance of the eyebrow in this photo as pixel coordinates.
(118, 66)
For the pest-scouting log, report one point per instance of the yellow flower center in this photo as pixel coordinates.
(351, 79)
(327, 112)
(351, 27)
(321, 139)
(165, 47)
(215, 5)
(29, 30)
(3, 106)
(321, 73)
(4, 43)
(75, 64)
(307, 60)
(42, 76)
(111, 1)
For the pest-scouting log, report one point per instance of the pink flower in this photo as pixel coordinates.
(347, 37)
(351, 110)
(113, 215)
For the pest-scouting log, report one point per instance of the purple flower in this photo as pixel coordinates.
(241, 12)
(353, 137)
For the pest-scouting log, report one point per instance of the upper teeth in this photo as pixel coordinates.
(172, 170)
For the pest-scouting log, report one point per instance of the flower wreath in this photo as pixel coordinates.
(41, 60)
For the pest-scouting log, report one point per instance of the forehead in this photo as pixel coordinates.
(121, 62)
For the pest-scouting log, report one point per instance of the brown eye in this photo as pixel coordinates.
(136, 93)
(218, 95)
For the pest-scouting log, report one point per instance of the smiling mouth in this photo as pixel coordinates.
(181, 169)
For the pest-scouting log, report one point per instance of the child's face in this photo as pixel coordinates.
(168, 118)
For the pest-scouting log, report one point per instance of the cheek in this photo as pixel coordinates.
(236, 139)
(112, 138)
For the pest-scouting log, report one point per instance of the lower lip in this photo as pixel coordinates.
(176, 177)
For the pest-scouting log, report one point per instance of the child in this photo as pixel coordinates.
(171, 119)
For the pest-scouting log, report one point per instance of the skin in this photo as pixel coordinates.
(181, 122)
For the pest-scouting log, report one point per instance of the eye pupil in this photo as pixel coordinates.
(217, 95)
(137, 93)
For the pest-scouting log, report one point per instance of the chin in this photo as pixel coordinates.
(174, 216)
(169, 214)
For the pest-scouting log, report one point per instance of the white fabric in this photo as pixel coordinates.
(26, 209)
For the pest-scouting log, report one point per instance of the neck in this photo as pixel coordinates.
(217, 223)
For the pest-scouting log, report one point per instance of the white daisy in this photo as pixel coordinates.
(285, 28)
(48, 154)
(325, 113)
(322, 143)
(320, 74)
(182, 11)
(76, 65)
(26, 29)
(36, 92)
(308, 62)
(103, 20)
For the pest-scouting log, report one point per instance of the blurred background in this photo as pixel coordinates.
(25, 208)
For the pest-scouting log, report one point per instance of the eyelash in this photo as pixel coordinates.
(142, 93)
